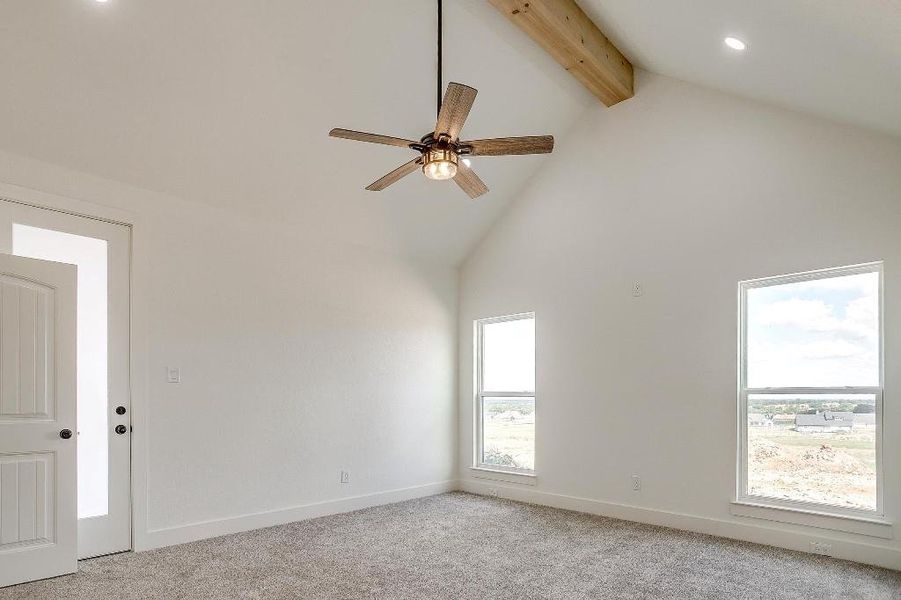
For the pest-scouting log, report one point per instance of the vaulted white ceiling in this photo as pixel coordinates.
(230, 103)
(837, 59)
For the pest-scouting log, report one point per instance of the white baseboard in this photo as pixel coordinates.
(871, 554)
(170, 536)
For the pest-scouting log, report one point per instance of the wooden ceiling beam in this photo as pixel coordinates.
(572, 38)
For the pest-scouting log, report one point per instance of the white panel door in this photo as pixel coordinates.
(38, 493)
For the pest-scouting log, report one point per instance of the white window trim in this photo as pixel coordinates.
(776, 509)
(870, 526)
(519, 475)
(494, 474)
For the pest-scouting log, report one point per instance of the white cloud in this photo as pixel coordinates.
(809, 315)
(861, 319)
(829, 349)
(862, 316)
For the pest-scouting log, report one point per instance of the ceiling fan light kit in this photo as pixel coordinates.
(440, 151)
(440, 164)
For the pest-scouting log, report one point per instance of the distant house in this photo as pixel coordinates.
(758, 420)
(825, 422)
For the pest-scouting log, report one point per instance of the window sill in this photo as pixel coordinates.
(872, 527)
(505, 476)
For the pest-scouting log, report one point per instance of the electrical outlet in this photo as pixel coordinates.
(821, 548)
(345, 477)
(492, 492)
(636, 483)
(173, 375)
(637, 289)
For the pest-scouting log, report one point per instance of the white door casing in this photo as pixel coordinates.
(108, 531)
(38, 485)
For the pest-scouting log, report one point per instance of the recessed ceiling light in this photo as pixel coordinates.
(735, 43)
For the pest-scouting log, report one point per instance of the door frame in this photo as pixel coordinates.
(139, 355)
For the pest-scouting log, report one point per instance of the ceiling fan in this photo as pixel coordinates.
(441, 153)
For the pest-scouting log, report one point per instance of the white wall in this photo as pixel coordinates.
(688, 191)
(299, 357)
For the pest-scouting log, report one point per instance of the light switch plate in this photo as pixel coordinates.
(173, 375)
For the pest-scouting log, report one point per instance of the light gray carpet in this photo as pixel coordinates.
(458, 546)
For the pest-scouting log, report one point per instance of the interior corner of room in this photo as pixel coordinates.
(607, 290)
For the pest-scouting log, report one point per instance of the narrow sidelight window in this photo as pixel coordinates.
(811, 391)
(505, 393)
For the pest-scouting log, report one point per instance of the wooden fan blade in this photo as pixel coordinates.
(395, 175)
(372, 138)
(469, 182)
(530, 144)
(455, 108)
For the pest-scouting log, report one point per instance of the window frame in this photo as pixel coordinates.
(741, 492)
(480, 394)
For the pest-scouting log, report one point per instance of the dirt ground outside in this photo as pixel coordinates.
(826, 468)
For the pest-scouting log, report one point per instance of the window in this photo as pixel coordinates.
(811, 391)
(505, 393)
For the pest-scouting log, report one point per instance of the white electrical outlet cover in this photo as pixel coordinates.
(821, 548)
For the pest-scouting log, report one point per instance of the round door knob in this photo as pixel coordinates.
(120, 410)
(121, 429)
(65, 434)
